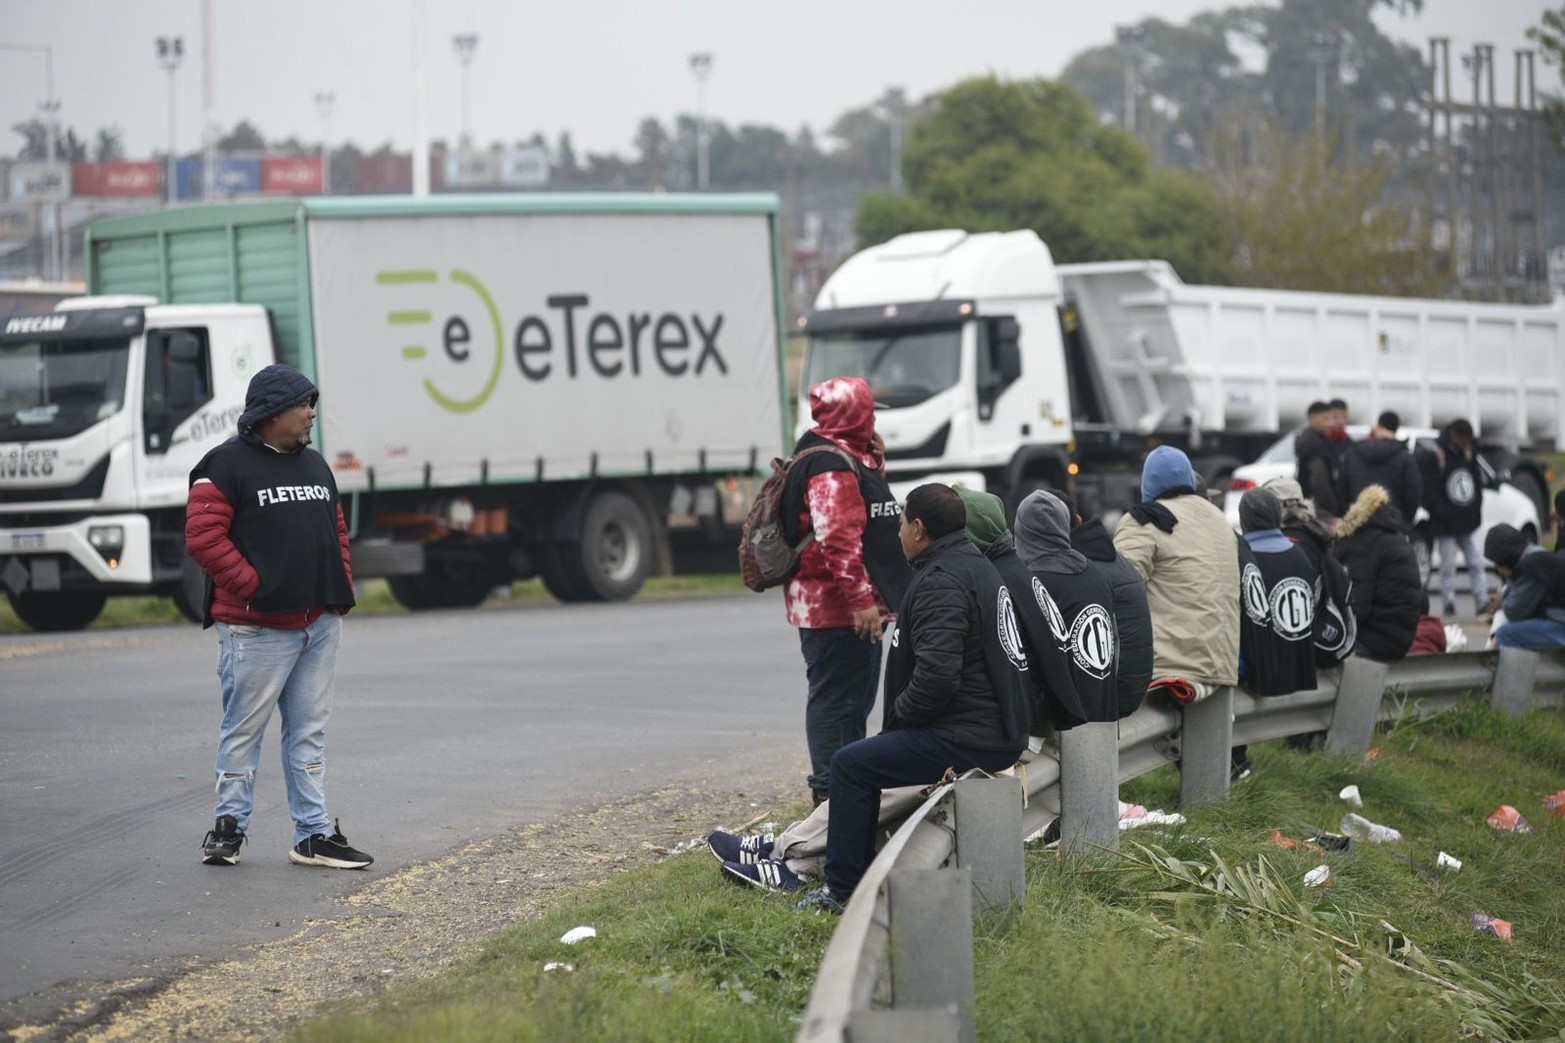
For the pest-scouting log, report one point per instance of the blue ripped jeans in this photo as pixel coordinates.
(295, 671)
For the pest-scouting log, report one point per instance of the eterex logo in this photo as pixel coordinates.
(566, 339)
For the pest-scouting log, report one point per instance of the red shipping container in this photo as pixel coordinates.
(118, 178)
(388, 173)
(291, 175)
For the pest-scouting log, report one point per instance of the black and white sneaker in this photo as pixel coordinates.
(221, 846)
(333, 851)
(731, 847)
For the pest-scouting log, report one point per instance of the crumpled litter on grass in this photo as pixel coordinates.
(1501, 929)
(1509, 820)
(578, 934)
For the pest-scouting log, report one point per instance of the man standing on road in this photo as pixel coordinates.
(954, 686)
(264, 522)
(1454, 479)
(1382, 459)
(1320, 457)
(849, 574)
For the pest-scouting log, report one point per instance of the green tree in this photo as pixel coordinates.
(1300, 221)
(999, 155)
(1549, 35)
(110, 144)
(243, 138)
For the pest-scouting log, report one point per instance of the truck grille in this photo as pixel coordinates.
(89, 488)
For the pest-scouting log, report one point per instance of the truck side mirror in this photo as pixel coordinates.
(1007, 350)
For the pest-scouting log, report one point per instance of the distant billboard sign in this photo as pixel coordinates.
(291, 175)
(526, 166)
(230, 177)
(118, 178)
(392, 173)
(40, 180)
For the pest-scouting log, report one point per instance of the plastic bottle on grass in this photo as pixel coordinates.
(1362, 829)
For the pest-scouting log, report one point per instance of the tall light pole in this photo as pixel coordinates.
(324, 100)
(701, 68)
(1130, 38)
(171, 52)
(51, 111)
(896, 104)
(1322, 52)
(466, 47)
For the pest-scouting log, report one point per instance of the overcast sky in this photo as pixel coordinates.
(594, 67)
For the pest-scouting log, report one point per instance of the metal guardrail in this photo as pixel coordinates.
(859, 994)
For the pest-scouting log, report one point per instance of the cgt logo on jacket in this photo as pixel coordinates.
(1460, 488)
(1010, 631)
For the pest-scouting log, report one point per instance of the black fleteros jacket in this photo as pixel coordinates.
(1278, 591)
(956, 660)
(1453, 488)
(1388, 595)
(1132, 618)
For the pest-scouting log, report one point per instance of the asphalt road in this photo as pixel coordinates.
(447, 727)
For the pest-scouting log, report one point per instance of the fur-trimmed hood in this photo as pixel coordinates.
(1373, 507)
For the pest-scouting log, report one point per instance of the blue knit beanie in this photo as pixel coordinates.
(1166, 468)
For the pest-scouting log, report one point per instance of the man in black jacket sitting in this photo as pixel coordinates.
(955, 695)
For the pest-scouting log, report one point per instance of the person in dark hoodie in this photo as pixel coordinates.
(1076, 604)
(1132, 618)
(1336, 628)
(1319, 452)
(264, 521)
(1388, 597)
(1534, 604)
(851, 574)
(1454, 477)
(1279, 587)
(1383, 459)
(954, 687)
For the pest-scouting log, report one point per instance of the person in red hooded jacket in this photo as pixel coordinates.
(852, 572)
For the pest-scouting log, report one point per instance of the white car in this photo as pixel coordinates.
(1503, 504)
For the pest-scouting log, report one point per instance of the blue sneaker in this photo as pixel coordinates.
(820, 900)
(767, 874)
(730, 847)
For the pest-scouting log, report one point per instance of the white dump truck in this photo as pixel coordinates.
(996, 367)
(510, 386)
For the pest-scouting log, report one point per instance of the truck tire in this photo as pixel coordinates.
(408, 592)
(445, 583)
(57, 610)
(190, 595)
(610, 561)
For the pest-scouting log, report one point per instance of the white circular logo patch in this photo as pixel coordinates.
(1051, 611)
(1293, 609)
(1010, 631)
(1092, 641)
(1459, 487)
(1254, 588)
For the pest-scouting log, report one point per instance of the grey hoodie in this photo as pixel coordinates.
(1043, 536)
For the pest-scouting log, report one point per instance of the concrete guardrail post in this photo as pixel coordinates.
(989, 841)
(1357, 708)
(931, 941)
(1205, 749)
(904, 1026)
(1513, 681)
(1089, 787)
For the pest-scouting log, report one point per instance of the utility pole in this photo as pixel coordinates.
(701, 68)
(50, 107)
(466, 47)
(420, 128)
(171, 52)
(1131, 39)
(324, 100)
(1322, 52)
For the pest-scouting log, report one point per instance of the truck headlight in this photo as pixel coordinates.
(108, 541)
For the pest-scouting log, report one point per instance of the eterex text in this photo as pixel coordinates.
(24, 462)
(291, 494)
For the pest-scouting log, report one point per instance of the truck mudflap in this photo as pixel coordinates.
(102, 552)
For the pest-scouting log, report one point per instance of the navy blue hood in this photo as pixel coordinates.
(275, 389)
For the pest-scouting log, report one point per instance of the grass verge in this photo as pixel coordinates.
(375, 599)
(1205, 931)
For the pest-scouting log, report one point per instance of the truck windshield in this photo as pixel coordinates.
(55, 389)
(903, 366)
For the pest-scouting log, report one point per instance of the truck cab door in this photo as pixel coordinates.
(177, 382)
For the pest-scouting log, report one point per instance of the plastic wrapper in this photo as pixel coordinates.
(1555, 802)
(1508, 819)
(1362, 829)
(1501, 929)
(577, 934)
(1320, 876)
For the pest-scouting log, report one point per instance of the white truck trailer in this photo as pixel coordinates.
(510, 386)
(998, 368)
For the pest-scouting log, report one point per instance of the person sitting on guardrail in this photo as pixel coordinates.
(1278, 587)
(1183, 548)
(1534, 604)
(1336, 627)
(955, 694)
(1132, 618)
(1388, 592)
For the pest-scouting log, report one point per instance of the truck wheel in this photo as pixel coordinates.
(408, 592)
(612, 559)
(57, 610)
(190, 595)
(1528, 483)
(454, 583)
